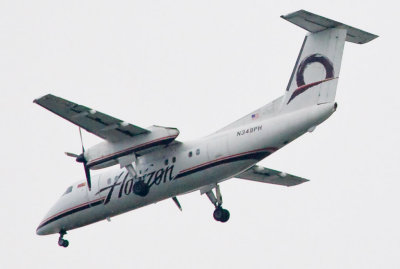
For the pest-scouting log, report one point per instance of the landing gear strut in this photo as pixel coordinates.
(63, 242)
(219, 214)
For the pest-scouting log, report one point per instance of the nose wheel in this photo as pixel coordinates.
(61, 241)
(220, 214)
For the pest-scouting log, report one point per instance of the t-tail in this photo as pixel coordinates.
(316, 73)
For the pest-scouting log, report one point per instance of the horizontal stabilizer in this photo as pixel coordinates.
(315, 23)
(266, 175)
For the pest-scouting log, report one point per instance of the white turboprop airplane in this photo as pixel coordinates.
(155, 166)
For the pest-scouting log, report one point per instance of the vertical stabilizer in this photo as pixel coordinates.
(315, 75)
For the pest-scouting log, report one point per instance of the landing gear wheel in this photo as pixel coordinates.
(140, 188)
(221, 214)
(225, 215)
(63, 243)
(217, 213)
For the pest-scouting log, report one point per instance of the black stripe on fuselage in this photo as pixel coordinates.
(255, 155)
(72, 211)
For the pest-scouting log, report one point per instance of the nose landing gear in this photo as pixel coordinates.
(63, 242)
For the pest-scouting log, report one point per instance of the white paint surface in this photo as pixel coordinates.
(197, 66)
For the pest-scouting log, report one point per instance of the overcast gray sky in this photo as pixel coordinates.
(197, 66)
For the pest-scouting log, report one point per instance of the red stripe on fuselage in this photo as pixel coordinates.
(71, 208)
(273, 149)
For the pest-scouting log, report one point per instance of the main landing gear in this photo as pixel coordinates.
(63, 242)
(140, 188)
(219, 214)
(129, 162)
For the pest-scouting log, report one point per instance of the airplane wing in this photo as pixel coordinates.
(97, 123)
(266, 175)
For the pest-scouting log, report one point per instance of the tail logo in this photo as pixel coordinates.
(313, 58)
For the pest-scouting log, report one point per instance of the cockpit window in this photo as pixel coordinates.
(68, 190)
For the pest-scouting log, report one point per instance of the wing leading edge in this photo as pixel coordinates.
(266, 175)
(97, 123)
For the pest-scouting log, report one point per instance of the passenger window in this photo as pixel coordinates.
(173, 159)
(197, 151)
(68, 190)
(190, 154)
(166, 162)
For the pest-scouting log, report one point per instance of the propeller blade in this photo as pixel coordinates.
(87, 173)
(69, 154)
(81, 158)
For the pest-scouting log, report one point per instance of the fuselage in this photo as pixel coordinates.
(180, 168)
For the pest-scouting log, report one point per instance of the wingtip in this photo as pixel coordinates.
(41, 97)
(292, 13)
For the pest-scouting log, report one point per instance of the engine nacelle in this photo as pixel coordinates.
(107, 153)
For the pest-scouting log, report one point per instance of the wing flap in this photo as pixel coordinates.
(266, 175)
(97, 123)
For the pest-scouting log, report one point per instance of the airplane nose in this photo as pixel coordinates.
(42, 229)
(46, 226)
